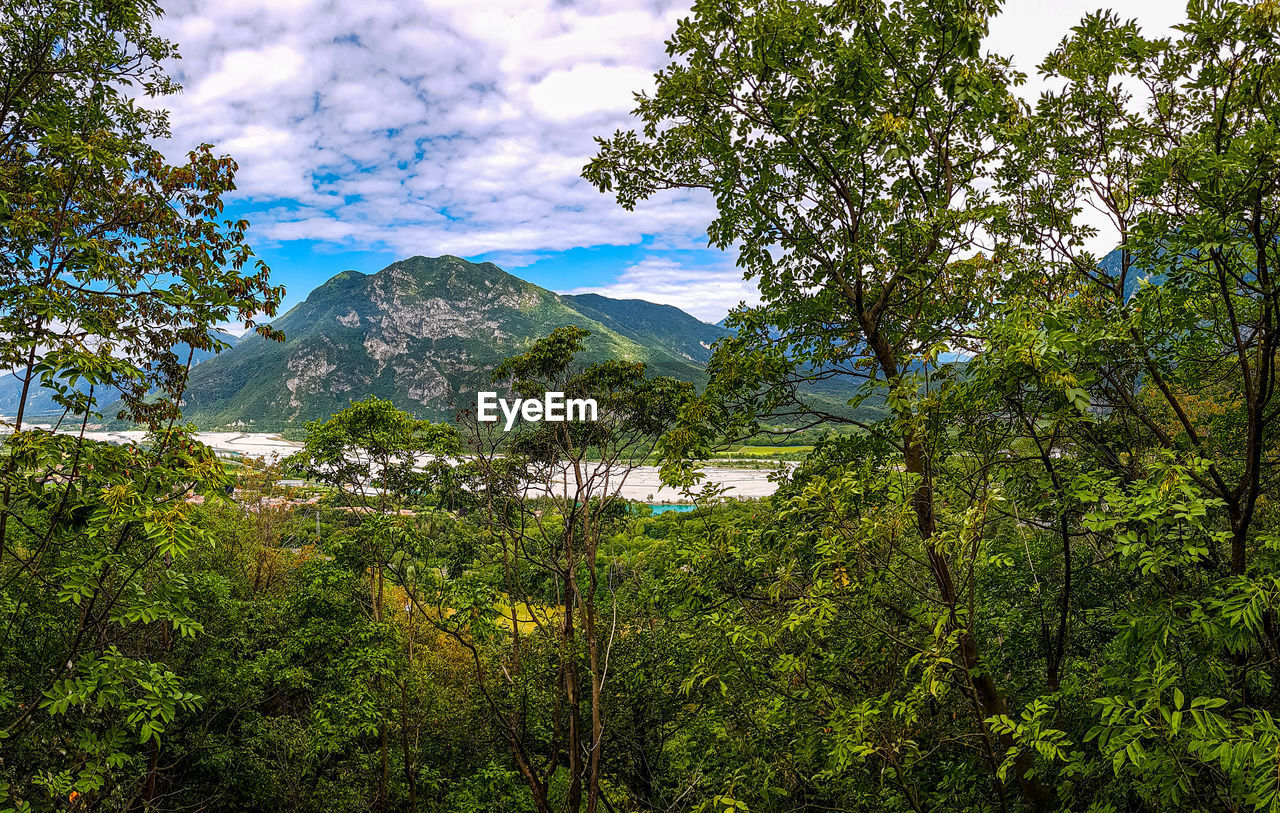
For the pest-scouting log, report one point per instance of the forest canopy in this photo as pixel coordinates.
(1045, 576)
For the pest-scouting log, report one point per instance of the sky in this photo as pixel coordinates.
(371, 130)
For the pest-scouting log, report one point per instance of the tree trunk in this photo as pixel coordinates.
(986, 694)
(572, 698)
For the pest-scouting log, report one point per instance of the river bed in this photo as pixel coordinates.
(642, 484)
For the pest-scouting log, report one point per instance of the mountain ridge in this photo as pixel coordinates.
(40, 400)
(425, 332)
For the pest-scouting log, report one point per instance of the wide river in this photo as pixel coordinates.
(641, 484)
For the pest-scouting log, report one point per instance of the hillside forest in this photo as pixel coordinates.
(1042, 575)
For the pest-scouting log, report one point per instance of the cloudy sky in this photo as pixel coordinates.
(370, 130)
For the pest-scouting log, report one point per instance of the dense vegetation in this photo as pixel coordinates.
(1046, 579)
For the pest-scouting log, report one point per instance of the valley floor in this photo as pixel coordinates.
(642, 484)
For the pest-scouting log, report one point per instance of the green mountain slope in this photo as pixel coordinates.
(425, 333)
(662, 327)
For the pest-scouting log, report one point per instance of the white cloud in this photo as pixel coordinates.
(565, 95)
(455, 126)
(248, 71)
(461, 126)
(707, 293)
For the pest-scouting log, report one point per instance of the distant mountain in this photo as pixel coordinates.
(40, 403)
(663, 327)
(1113, 264)
(426, 333)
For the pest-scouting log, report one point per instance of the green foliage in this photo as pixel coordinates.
(1062, 523)
(92, 532)
(371, 448)
(114, 257)
(1037, 571)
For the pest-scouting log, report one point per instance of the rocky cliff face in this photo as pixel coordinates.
(425, 333)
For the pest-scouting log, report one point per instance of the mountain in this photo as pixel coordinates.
(663, 327)
(40, 403)
(425, 333)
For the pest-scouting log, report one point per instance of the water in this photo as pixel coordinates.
(663, 508)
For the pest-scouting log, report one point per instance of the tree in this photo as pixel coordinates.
(371, 450)
(1184, 167)
(548, 494)
(112, 258)
(378, 454)
(850, 148)
(1089, 483)
(1167, 346)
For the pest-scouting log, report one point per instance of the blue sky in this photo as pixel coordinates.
(371, 130)
(627, 272)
